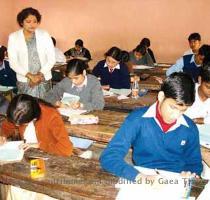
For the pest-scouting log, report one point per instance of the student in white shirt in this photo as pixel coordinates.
(59, 55)
(194, 43)
(200, 110)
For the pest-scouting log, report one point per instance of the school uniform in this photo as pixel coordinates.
(199, 109)
(7, 75)
(49, 131)
(145, 60)
(90, 92)
(186, 64)
(176, 150)
(117, 78)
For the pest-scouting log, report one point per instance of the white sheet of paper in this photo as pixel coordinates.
(5, 88)
(69, 98)
(124, 92)
(171, 186)
(69, 111)
(142, 67)
(80, 142)
(204, 134)
(10, 151)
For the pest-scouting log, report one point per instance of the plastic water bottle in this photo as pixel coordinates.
(135, 89)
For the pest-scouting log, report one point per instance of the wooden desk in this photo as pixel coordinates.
(66, 178)
(61, 67)
(151, 83)
(109, 122)
(156, 71)
(127, 105)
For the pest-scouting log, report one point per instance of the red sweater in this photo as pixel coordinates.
(50, 132)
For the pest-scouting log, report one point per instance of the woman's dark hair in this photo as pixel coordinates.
(79, 43)
(53, 40)
(76, 66)
(115, 53)
(145, 42)
(205, 72)
(180, 87)
(3, 49)
(140, 49)
(22, 15)
(24, 108)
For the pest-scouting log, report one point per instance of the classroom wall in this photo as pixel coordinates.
(102, 24)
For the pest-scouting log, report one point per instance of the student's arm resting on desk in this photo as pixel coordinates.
(112, 159)
(192, 153)
(177, 67)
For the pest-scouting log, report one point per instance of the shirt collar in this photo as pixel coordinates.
(116, 67)
(2, 66)
(81, 85)
(193, 60)
(151, 112)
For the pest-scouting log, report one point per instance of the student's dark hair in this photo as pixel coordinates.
(79, 43)
(3, 49)
(194, 36)
(205, 72)
(140, 49)
(125, 56)
(24, 108)
(115, 53)
(23, 14)
(145, 42)
(180, 87)
(54, 41)
(76, 66)
(205, 51)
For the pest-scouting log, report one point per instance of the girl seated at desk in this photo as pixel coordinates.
(112, 71)
(38, 123)
(79, 83)
(140, 56)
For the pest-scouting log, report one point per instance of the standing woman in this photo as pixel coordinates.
(31, 54)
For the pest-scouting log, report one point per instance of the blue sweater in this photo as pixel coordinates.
(177, 150)
(118, 79)
(191, 68)
(7, 75)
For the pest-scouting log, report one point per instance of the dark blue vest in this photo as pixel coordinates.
(191, 68)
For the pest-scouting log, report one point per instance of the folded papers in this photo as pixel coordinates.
(83, 119)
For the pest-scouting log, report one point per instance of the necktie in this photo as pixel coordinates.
(111, 70)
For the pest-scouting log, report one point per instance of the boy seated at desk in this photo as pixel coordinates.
(194, 40)
(79, 51)
(77, 82)
(38, 123)
(113, 72)
(191, 64)
(199, 112)
(160, 136)
(7, 75)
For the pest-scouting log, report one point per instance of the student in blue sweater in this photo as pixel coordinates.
(191, 64)
(7, 75)
(160, 136)
(112, 71)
